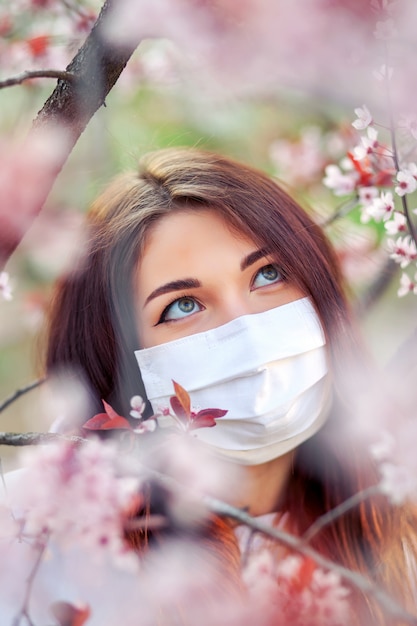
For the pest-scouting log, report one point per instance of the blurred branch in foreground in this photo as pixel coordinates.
(31, 439)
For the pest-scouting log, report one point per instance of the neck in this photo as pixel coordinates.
(263, 485)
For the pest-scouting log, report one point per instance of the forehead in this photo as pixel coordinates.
(187, 231)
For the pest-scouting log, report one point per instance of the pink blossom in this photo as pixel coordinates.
(213, 37)
(382, 207)
(403, 250)
(397, 224)
(259, 575)
(301, 161)
(364, 118)
(397, 460)
(407, 285)
(297, 591)
(5, 288)
(407, 182)
(198, 471)
(80, 496)
(341, 184)
(385, 30)
(398, 482)
(55, 242)
(36, 162)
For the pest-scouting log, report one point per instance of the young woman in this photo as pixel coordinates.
(205, 271)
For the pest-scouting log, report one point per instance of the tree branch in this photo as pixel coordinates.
(20, 392)
(32, 439)
(95, 68)
(339, 511)
(296, 544)
(20, 78)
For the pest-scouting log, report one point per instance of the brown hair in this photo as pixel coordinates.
(92, 327)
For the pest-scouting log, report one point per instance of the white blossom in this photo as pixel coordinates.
(340, 183)
(367, 195)
(368, 144)
(138, 405)
(396, 224)
(403, 250)
(407, 285)
(364, 118)
(407, 182)
(382, 207)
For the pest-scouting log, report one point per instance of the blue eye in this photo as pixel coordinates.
(183, 307)
(267, 275)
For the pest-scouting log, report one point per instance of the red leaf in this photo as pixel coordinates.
(96, 422)
(38, 45)
(178, 409)
(108, 420)
(183, 398)
(181, 403)
(116, 422)
(213, 412)
(110, 411)
(206, 418)
(205, 421)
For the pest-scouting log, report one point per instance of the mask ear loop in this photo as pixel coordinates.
(148, 411)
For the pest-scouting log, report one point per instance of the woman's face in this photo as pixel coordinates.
(196, 274)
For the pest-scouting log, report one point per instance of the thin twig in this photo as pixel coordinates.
(30, 74)
(32, 439)
(404, 201)
(296, 544)
(338, 511)
(20, 392)
(342, 210)
(24, 611)
(375, 290)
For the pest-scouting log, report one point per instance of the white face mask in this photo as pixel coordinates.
(268, 370)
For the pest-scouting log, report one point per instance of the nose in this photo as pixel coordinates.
(231, 306)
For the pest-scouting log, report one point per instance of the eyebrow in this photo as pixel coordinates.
(174, 285)
(252, 258)
(193, 283)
